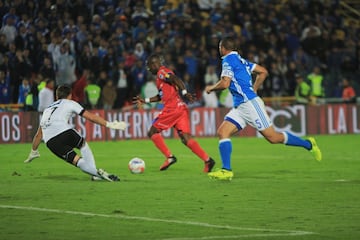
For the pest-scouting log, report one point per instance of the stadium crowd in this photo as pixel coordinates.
(100, 47)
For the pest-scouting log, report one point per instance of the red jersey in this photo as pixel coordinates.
(175, 113)
(168, 92)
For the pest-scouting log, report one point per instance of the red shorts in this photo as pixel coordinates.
(177, 118)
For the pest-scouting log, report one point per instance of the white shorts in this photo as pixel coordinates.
(252, 112)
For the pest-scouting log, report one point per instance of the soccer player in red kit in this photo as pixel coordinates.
(174, 114)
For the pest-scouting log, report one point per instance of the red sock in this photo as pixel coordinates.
(160, 144)
(195, 147)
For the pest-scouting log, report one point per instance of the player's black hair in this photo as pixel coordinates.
(229, 43)
(155, 57)
(63, 91)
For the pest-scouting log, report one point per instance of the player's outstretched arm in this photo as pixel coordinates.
(181, 86)
(34, 153)
(139, 101)
(120, 125)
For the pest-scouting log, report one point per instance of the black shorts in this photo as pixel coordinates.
(63, 144)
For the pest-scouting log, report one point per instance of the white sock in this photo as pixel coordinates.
(87, 161)
(86, 167)
(87, 154)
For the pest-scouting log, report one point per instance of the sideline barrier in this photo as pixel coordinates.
(13, 107)
(301, 120)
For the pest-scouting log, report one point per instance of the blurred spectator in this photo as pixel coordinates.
(187, 81)
(149, 90)
(65, 66)
(302, 90)
(99, 34)
(276, 80)
(109, 61)
(78, 91)
(9, 29)
(24, 90)
(3, 43)
(139, 52)
(191, 66)
(316, 83)
(139, 14)
(348, 92)
(92, 93)
(102, 79)
(210, 99)
(84, 60)
(122, 85)
(210, 76)
(22, 40)
(108, 94)
(139, 31)
(95, 61)
(130, 59)
(21, 69)
(34, 90)
(4, 88)
(46, 95)
(290, 78)
(225, 99)
(47, 69)
(139, 75)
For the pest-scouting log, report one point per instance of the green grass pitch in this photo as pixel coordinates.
(278, 192)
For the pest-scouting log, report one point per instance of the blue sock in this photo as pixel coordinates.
(292, 140)
(225, 148)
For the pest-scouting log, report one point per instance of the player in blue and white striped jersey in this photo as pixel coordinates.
(248, 107)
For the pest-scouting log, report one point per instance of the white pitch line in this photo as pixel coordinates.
(271, 232)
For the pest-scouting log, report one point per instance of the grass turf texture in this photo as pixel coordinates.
(278, 192)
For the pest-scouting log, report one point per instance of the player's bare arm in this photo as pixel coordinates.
(120, 125)
(261, 75)
(37, 139)
(181, 86)
(34, 153)
(94, 118)
(223, 83)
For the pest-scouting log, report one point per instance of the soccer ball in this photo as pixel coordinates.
(136, 165)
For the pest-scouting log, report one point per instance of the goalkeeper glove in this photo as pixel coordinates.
(117, 125)
(32, 155)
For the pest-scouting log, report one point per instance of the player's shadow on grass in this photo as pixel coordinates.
(62, 177)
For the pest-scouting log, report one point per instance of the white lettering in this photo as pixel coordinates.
(341, 121)
(10, 128)
(136, 125)
(195, 120)
(16, 132)
(127, 117)
(355, 120)
(147, 121)
(97, 133)
(209, 122)
(330, 121)
(5, 124)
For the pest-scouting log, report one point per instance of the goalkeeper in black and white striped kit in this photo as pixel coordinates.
(61, 137)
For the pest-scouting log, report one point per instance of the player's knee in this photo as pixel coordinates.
(70, 156)
(152, 131)
(184, 140)
(222, 134)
